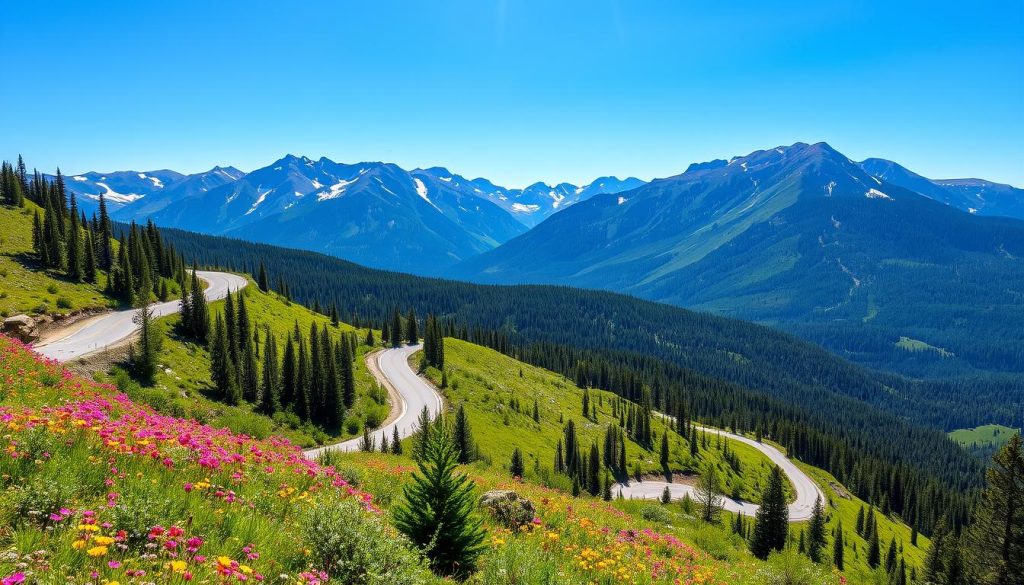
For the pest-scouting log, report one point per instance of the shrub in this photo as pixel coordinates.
(372, 419)
(43, 496)
(655, 514)
(357, 547)
(52, 289)
(352, 425)
(63, 303)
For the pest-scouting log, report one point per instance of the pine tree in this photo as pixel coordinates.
(666, 496)
(270, 392)
(816, 532)
(368, 340)
(423, 432)
(289, 374)
(516, 466)
(437, 514)
(709, 494)
(396, 330)
(837, 547)
(874, 554)
(664, 453)
(200, 320)
(384, 333)
(222, 369)
(586, 403)
(147, 349)
(262, 281)
(995, 542)
(462, 436)
(366, 444)
(411, 332)
(594, 471)
(891, 558)
(76, 260)
(396, 442)
(860, 521)
(346, 372)
(771, 522)
(303, 398)
(89, 266)
(104, 245)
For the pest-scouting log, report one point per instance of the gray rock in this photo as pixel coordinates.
(21, 326)
(508, 508)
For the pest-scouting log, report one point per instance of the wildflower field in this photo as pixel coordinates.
(95, 488)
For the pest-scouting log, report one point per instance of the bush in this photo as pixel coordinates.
(372, 419)
(352, 425)
(52, 289)
(655, 514)
(357, 547)
(63, 303)
(43, 496)
(791, 568)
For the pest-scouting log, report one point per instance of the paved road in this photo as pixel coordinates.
(414, 393)
(115, 327)
(807, 491)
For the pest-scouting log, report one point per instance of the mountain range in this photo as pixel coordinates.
(803, 238)
(373, 213)
(869, 259)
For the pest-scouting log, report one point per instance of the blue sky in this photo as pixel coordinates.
(516, 91)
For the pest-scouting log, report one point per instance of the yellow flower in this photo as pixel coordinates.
(224, 561)
(78, 544)
(245, 569)
(177, 566)
(553, 536)
(103, 540)
(97, 551)
(88, 527)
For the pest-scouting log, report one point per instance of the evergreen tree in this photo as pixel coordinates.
(462, 436)
(262, 280)
(423, 432)
(368, 340)
(995, 542)
(222, 369)
(874, 554)
(664, 453)
(396, 442)
(146, 350)
(412, 333)
(200, 312)
(346, 372)
(437, 514)
(860, 521)
(270, 392)
(536, 411)
(289, 374)
(76, 260)
(366, 443)
(708, 494)
(516, 466)
(396, 330)
(816, 532)
(594, 471)
(105, 237)
(891, 557)
(837, 547)
(89, 266)
(666, 496)
(303, 397)
(384, 333)
(772, 520)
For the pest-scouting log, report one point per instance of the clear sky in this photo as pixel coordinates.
(516, 91)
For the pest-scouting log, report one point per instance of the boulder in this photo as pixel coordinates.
(508, 508)
(21, 326)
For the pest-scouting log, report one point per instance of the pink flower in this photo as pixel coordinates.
(13, 579)
(114, 564)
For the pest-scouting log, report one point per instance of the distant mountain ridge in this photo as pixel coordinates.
(373, 213)
(803, 238)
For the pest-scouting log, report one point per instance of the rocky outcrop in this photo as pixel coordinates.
(22, 327)
(508, 508)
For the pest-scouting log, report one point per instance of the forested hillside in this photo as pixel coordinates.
(725, 372)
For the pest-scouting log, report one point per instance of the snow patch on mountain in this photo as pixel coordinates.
(336, 190)
(876, 194)
(522, 208)
(112, 195)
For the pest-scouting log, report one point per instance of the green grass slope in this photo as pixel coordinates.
(182, 386)
(25, 287)
(489, 384)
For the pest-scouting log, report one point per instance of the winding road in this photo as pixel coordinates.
(115, 327)
(391, 367)
(413, 393)
(800, 509)
(393, 371)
